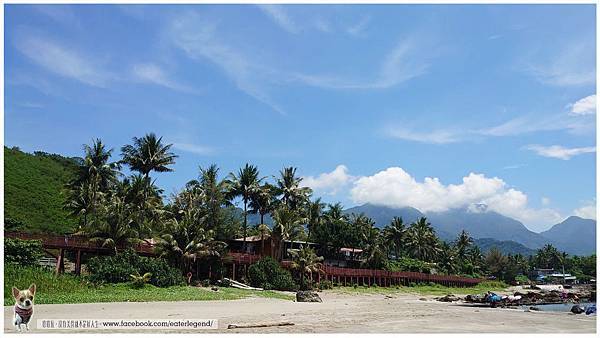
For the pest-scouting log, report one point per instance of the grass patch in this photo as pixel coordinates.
(426, 289)
(64, 289)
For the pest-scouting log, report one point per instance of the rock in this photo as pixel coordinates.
(308, 297)
(577, 309)
(448, 298)
(214, 288)
(475, 298)
(534, 308)
(423, 299)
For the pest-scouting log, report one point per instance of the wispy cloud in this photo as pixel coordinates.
(62, 60)
(358, 29)
(152, 73)
(280, 16)
(198, 38)
(571, 64)
(62, 14)
(429, 136)
(194, 148)
(559, 152)
(585, 106)
(401, 64)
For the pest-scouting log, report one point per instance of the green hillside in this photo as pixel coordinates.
(33, 190)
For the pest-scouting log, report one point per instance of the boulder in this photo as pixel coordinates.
(308, 297)
(577, 309)
(448, 298)
(475, 298)
(534, 308)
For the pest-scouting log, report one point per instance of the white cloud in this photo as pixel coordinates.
(394, 187)
(151, 73)
(586, 211)
(560, 152)
(60, 13)
(331, 182)
(193, 148)
(428, 136)
(62, 60)
(585, 106)
(279, 15)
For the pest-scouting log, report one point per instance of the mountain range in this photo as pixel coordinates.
(575, 235)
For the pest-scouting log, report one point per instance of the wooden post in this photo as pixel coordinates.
(78, 263)
(60, 262)
(233, 272)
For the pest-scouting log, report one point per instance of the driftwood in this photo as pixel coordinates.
(238, 285)
(249, 326)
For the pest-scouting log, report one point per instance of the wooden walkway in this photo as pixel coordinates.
(239, 262)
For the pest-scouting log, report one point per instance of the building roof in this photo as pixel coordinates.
(256, 238)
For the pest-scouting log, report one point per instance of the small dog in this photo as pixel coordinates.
(23, 306)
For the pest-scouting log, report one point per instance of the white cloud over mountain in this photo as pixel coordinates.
(394, 187)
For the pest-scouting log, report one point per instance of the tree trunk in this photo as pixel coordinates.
(245, 225)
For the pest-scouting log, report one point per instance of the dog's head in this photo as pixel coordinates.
(24, 298)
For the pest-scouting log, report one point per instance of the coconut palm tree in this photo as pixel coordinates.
(263, 201)
(394, 235)
(305, 261)
(213, 195)
(288, 187)
(462, 243)
(288, 225)
(115, 226)
(314, 211)
(264, 231)
(148, 154)
(95, 176)
(421, 241)
(244, 184)
(448, 258)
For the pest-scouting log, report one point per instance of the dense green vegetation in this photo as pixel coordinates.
(34, 190)
(62, 289)
(120, 267)
(22, 252)
(269, 275)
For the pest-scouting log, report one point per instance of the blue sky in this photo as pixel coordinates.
(431, 106)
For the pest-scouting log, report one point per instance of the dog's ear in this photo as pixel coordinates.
(32, 289)
(15, 292)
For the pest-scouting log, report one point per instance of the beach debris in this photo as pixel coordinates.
(475, 298)
(577, 309)
(590, 309)
(308, 297)
(239, 285)
(448, 298)
(534, 308)
(423, 299)
(251, 326)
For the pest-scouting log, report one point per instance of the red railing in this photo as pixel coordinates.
(416, 276)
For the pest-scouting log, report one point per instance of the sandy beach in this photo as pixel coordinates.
(339, 312)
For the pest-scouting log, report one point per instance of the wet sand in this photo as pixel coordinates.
(339, 312)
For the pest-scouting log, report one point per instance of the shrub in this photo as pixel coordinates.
(268, 274)
(22, 252)
(325, 285)
(119, 268)
(409, 264)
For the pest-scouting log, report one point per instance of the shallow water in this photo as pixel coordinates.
(564, 307)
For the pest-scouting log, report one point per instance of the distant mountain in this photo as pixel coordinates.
(486, 224)
(574, 235)
(384, 215)
(506, 247)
